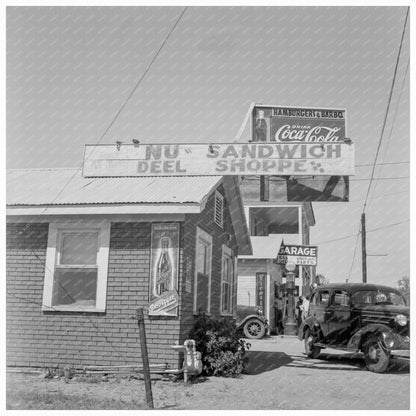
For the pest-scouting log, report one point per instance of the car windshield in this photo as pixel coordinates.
(377, 297)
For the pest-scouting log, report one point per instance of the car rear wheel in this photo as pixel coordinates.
(376, 357)
(311, 350)
(254, 329)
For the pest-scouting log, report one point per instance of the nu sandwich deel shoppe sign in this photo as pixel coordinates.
(301, 158)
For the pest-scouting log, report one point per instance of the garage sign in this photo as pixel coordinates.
(300, 255)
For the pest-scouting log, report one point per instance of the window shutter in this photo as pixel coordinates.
(219, 209)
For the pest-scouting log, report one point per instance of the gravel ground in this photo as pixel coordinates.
(280, 377)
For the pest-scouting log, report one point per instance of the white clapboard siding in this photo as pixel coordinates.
(246, 290)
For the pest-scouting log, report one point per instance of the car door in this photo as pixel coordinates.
(338, 316)
(318, 307)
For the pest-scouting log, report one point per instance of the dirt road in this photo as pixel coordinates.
(280, 377)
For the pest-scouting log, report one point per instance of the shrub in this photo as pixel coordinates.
(222, 349)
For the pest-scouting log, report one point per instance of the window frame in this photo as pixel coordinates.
(205, 238)
(56, 230)
(227, 255)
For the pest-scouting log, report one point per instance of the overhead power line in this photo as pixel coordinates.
(368, 231)
(355, 252)
(363, 225)
(381, 179)
(143, 76)
(383, 164)
(353, 201)
(392, 126)
(387, 109)
(125, 101)
(280, 179)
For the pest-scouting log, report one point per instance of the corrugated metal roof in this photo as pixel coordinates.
(55, 187)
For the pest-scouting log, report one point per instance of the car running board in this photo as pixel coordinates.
(335, 347)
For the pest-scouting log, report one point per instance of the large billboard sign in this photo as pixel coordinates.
(298, 124)
(300, 158)
(284, 124)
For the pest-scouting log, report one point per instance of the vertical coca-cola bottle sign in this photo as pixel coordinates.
(164, 267)
(163, 288)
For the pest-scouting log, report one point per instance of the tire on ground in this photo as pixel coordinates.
(310, 349)
(254, 328)
(375, 356)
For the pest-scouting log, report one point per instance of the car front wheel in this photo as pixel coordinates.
(376, 357)
(311, 350)
(254, 328)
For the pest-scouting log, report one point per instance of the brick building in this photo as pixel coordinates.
(84, 254)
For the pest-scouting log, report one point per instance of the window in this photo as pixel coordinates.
(219, 209)
(273, 220)
(341, 298)
(76, 266)
(373, 297)
(323, 298)
(227, 281)
(202, 294)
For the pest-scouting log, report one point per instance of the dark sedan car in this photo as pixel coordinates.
(352, 317)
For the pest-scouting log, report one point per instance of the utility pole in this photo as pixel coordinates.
(363, 248)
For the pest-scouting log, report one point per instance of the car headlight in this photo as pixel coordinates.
(400, 319)
(389, 339)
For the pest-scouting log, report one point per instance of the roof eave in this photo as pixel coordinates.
(91, 209)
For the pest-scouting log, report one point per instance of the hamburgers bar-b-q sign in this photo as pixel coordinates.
(267, 158)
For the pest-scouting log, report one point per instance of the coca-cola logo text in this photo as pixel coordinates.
(287, 133)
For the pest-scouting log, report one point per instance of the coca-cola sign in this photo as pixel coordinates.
(164, 269)
(287, 133)
(298, 124)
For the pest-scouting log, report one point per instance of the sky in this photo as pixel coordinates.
(69, 70)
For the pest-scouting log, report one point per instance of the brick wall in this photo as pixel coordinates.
(25, 273)
(36, 338)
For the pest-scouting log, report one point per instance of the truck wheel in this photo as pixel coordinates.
(311, 350)
(254, 329)
(376, 357)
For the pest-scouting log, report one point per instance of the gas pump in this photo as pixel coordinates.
(290, 327)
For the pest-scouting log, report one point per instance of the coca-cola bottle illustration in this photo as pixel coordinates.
(261, 128)
(164, 267)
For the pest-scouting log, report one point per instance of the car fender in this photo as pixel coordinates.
(246, 318)
(309, 322)
(357, 340)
